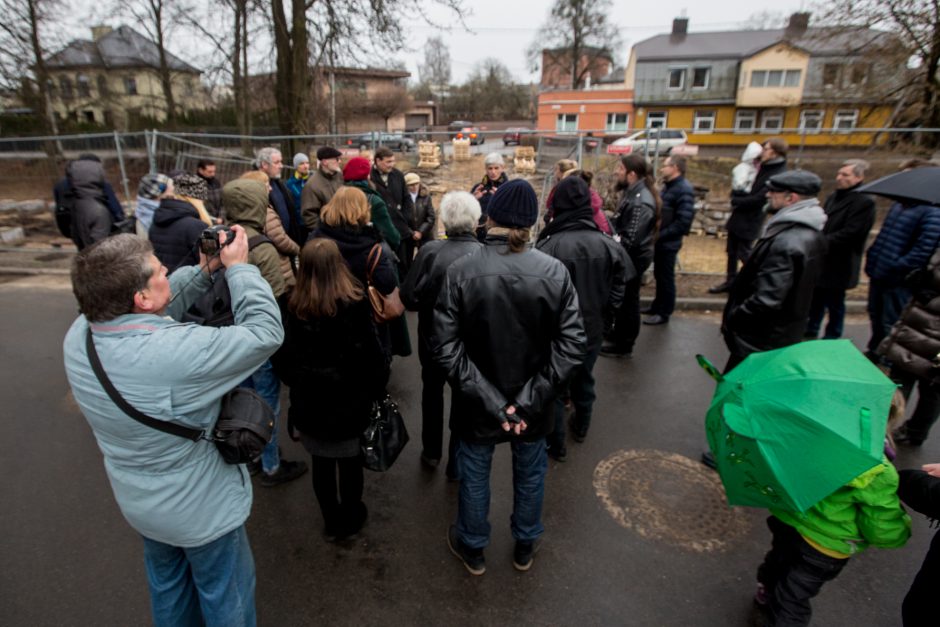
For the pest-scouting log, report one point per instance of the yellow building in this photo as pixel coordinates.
(728, 88)
(113, 79)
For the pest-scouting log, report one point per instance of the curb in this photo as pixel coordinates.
(34, 271)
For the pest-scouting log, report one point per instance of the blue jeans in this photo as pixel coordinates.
(213, 584)
(885, 302)
(582, 395)
(833, 300)
(529, 464)
(268, 386)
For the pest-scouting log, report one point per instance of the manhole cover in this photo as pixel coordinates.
(668, 497)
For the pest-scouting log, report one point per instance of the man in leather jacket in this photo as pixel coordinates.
(508, 333)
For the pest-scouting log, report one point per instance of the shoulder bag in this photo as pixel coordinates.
(385, 437)
(385, 307)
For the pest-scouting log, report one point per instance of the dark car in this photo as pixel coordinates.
(515, 135)
(455, 127)
(473, 134)
(395, 141)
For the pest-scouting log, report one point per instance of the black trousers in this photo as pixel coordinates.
(627, 321)
(664, 271)
(433, 381)
(919, 608)
(928, 403)
(793, 572)
(338, 513)
(738, 250)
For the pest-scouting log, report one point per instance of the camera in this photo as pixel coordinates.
(209, 242)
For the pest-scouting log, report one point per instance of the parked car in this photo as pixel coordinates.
(395, 141)
(514, 135)
(456, 126)
(646, 141)
(473, 134)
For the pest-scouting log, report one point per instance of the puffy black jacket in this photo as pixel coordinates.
(599, 269)
(769, 300)
(175, 232)
(397, 199)
(423, 282)
(507, 330)
(635, 223)
(747, 213)
(850, 218)
(678, 212)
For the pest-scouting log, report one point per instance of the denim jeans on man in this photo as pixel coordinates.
(212, 585)
(582, 395)
(529, 465)
(831, 300)
(885, 302)
(268, 386)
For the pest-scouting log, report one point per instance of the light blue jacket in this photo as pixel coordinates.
(171, 489)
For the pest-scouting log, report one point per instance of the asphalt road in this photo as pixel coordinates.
(677, 556)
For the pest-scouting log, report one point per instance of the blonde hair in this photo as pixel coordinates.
(349, 206)
(256, 175)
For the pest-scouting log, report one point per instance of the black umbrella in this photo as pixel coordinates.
(919, 186)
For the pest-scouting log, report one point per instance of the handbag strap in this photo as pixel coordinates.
(371, 263)
(130, 410)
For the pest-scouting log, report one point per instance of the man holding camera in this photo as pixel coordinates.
(186, 502)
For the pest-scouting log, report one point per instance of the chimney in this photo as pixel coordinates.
(680, 27)
(97, 32)
(797, 26)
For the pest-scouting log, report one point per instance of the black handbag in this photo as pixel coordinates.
(384, 437)
(245, 424)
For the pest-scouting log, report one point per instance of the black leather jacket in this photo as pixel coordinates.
(635, 223)
(599, 269)
(507, 330)
(769, 301)
(747, 213)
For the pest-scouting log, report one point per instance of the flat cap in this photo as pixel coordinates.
(802, 182)
(328, 152)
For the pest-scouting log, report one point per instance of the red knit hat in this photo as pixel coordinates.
(357, 169)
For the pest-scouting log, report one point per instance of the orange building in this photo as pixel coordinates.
(604, 109)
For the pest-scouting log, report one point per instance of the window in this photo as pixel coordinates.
(617, 122)
(811, 120)
(103, 85)
(745, 121)
(84, 86)
(700, 76)
(130, 85)
(566, 122)
(775, 78)
(656, 119)
(703, 122)
(677, 78)
(858, 75)
(89, 116)
(830, 74)
(65, 86)
(845, 119)
(771, 120)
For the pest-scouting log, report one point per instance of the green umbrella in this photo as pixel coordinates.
(789, 427)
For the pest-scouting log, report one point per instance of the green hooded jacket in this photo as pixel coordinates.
(246, 204)
(380, 218)
(865, 512)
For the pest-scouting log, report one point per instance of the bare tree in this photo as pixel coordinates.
(435, 71)
(577, 33)
(153, 16)
(765, 19)
(389, 102)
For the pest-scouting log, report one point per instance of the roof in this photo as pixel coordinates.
(595, 51)
(367, 72)
(123, 47)
(744, 43)
(617, 75)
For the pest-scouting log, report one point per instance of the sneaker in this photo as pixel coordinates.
(720, 288)
(559, 454)
(472, 558)
(286, 471)
(656, 319)
(646, 310)
(523, 553)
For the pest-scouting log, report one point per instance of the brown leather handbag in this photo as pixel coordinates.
(385, 307)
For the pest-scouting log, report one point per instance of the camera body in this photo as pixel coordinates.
(209, 242)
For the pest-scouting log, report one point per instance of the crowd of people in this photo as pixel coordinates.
(514, 326)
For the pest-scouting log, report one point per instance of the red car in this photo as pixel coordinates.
(514, 135)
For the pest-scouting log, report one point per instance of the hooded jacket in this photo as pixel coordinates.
(175, 233)
(769, 301)
(742, 175)
(91, 219)
(246, 204)
(507, 330)
(747, 213)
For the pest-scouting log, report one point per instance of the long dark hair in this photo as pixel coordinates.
(324, 281)
(641, 167)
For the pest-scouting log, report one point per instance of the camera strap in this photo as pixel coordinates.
(130, 410)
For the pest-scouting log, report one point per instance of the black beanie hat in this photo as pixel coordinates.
(571, 194)
(514, 205)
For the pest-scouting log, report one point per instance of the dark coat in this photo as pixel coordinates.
(92, 221)
(175, 233)
(850, 218)
(214, 202)
(599, 269)
(507, 330)
(426, 277)
(397, 200)
(678, 211)
(378, 213)
(335, 367)
(921, 492)
(354, 245)
(768, 303)
(489, 187)
(907, 239)
(635, 223)
(289, 213)
(747, 210)
(425, 218)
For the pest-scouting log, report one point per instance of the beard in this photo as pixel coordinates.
(621, 185)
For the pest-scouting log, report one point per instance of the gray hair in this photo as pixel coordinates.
(106, 276)
(859, 166)
(460, 212)
(494, 158)
(266, 155)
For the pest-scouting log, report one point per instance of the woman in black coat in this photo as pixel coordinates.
(336, 369)
(920, 490)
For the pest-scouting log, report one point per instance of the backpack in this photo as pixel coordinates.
(214, 307)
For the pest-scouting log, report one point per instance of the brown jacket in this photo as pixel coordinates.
(287, 248)
(316, 193)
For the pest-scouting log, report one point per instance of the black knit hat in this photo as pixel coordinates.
(571, 194)
(514, 205)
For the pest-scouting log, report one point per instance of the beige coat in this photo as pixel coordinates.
(286, 247)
